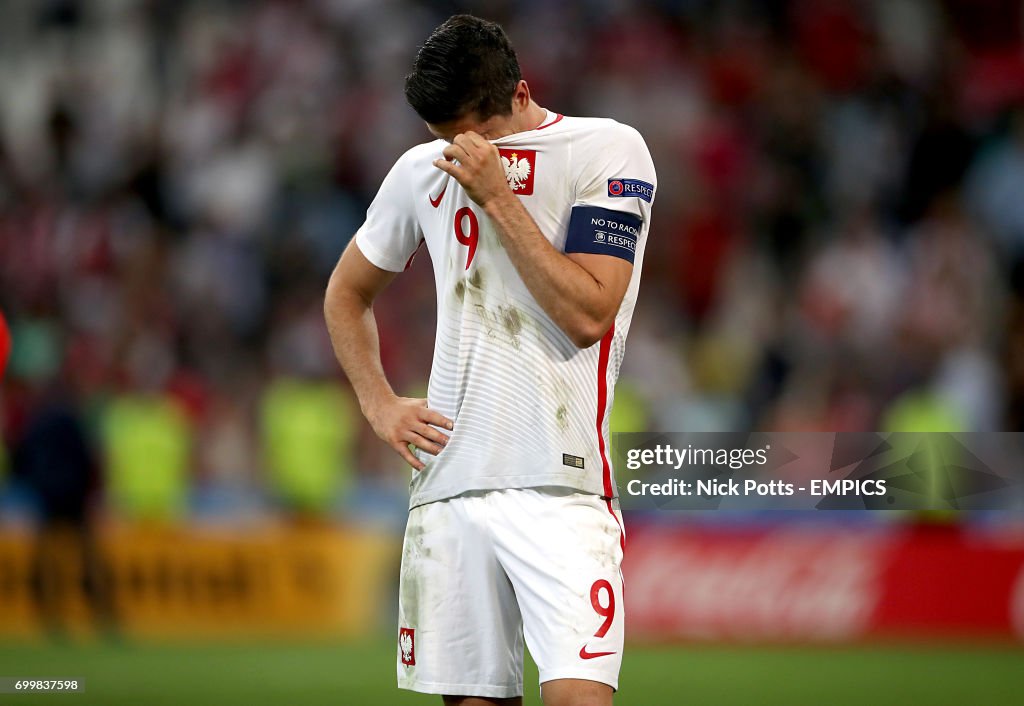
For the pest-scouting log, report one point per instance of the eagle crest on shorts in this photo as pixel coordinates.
(517, 171)
(407, 645)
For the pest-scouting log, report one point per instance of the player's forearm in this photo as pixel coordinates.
(399, 421)
(353, 331)
(570, 295)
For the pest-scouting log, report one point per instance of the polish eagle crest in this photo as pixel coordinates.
(517, 171)
(405, 642)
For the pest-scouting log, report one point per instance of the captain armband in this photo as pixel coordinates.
(602, 231)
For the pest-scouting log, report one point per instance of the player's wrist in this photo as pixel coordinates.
(371, 404)
(499, 203)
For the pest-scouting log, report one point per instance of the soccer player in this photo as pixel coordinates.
(535, 223)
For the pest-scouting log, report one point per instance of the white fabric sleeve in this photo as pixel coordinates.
(390, 234)
(616, 172)
(614, 193)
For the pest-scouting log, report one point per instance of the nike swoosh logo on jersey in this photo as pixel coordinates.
(437, 202)
(591, 655)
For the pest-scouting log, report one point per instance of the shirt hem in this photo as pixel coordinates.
(423, 497)
(494, 691)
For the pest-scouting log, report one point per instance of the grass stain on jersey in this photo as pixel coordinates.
(562, 417)
(512, 320)
(472, 284)
(504, 322)
(561, 398)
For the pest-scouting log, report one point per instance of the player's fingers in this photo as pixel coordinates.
(422, 443)
(477, 140)
(454, 151)
(429, 432)
(447, 167)
(476, 145)
(436, 418)
(402, 448)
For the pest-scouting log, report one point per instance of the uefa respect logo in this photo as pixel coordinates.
(621, 187)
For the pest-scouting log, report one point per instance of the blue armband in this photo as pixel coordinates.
(601, 231)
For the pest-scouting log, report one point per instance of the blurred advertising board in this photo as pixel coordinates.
(190, 582)
(822, 583)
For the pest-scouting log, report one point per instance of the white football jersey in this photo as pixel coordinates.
(529, 408)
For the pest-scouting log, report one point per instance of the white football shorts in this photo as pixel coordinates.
(481, 570)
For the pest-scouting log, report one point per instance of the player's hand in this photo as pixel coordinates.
(401, 421)
(479, 170)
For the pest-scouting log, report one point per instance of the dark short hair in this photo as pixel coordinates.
(466, 66)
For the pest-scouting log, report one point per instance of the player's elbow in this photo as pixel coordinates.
(587, 331)
(332, 295)
(339, 297)
(584, 339)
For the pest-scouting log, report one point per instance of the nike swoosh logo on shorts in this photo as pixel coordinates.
(437, 202)
(591, 655)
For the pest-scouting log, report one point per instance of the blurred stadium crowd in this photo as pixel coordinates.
(837, 241)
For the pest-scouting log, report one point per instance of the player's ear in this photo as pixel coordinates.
(520, 96)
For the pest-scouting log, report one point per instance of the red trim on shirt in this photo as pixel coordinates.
(408, 262)
(602, 402)
(558, 116)
(622, 532)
